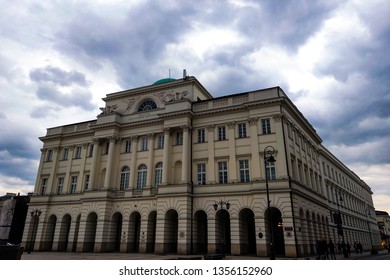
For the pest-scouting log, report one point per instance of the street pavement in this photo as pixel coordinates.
(141, 256)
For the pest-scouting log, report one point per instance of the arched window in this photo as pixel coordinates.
(141, 178)
(125, 178)
(146, 106)
(158, 174)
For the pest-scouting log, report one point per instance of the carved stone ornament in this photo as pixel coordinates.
(130, 102)
(170, 96)
(108, 109)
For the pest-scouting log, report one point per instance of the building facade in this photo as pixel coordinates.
(167, 168)
(13, 211)
(383, 220)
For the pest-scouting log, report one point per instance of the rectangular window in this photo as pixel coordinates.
(160, 142)
(244, 171)
(141, 178)
(144, 144)
(65, 154)
(179, 138)
(60, 185)
(158, 175)
(86, 184)
(125, 178)
(242, 130)
(221, 133)
(49, 155)
(222, 172)
(73, 184)
(201, 171)
(43, 186)
(127, 146)
(201, 136)
(271, 170)
(266, 126)
(78, 152)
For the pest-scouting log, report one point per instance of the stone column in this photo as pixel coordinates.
(92, 174)
(111, 150)
(166, 157)
(38, 179)
(149, 178)
(211, 235)
(66, 188)
(185, 154)
(232, 153)
(235, 236)
(80, 180)
(56, 237)
(133, 166)
(211, 151)
(255, 163)
(143, 235)
(53, 171)
(261, 243)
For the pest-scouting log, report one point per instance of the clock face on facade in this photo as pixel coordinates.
(146, 106)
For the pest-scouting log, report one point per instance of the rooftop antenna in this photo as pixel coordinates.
(184, 73)
(169, 73)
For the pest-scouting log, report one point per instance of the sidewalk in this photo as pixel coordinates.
(142, 256)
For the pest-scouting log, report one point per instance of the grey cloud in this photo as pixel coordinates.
(79, 97)
(44, 111)
(58, 76)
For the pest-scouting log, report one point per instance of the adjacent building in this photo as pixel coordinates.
(13, 211)
(383, 219)
(167, 168)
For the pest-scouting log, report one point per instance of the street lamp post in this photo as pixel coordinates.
(268, 157)
(34, 217)
(221, 203)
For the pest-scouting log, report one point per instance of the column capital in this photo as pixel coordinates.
(150, 135)
(166, 130)
(253, 121)
(231, 125)
(185, 127)
(277, 117)
(134, 138)
(112, 138)
(211, 128)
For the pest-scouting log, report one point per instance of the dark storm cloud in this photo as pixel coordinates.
(18, 150)
(131, 44)
(58, 76)
(285, 23)
(20, 167)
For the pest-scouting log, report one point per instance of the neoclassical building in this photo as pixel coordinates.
(168, 169)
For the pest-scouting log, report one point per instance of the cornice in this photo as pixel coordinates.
(66, 135)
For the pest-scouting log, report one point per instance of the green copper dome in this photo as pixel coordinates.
(163, 81)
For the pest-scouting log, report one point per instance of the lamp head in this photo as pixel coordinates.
(271, 159)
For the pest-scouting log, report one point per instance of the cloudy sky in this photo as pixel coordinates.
(332, 58)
